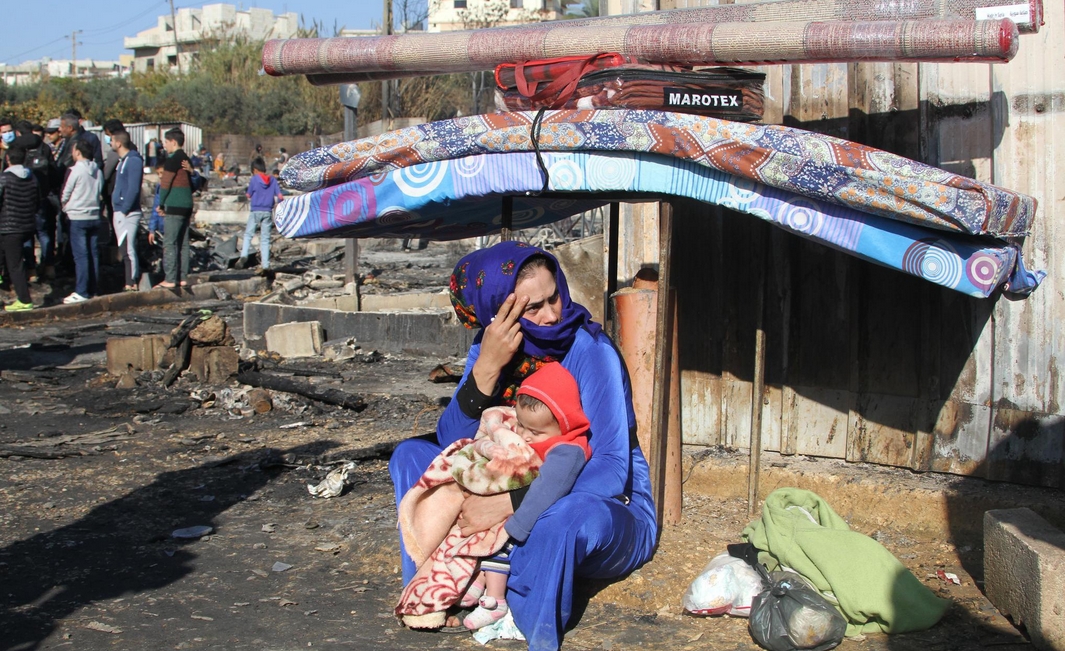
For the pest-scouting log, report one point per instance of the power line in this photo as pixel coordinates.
(21, 54)
(100, 31)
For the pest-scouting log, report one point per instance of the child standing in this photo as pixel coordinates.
(263, 194)
(550, 419)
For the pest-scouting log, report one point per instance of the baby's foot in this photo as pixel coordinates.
(490, 611)
(472, 596)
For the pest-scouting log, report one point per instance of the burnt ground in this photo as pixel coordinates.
(87, 560)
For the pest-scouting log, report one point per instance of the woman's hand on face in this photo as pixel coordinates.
(481, 512)
(502, 338)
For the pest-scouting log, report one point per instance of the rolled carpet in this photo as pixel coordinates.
(1028, 14)
(701, 44)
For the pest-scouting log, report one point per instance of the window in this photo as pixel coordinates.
(460, 4)
(517, 4)
(172, 59)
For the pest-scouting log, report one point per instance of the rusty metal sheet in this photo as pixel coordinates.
(960, 438)
(1030, 334)
(736, 413)
(772, 406)
(700, 396)
(1027, 448)
(883, 430)
(815, 421)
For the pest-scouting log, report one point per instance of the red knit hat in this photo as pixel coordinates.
(556, 387)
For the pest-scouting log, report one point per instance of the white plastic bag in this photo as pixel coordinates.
(726, 586)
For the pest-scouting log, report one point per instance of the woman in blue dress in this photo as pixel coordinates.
(517, 296)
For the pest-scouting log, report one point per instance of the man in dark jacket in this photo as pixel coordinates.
(72, 131)
(19, 200)
(40, 162)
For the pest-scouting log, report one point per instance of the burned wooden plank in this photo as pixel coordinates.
(288, 385)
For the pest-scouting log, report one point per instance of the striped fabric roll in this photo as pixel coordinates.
(700, 44)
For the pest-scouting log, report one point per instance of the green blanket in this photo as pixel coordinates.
(872, 589)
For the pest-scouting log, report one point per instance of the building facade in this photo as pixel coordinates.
(30, 72)
(161, 48)
(450, 15)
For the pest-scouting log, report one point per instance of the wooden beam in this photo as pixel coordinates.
(351, 245)
(757, 391)
(663, 351)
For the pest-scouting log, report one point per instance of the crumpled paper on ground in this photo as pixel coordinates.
(504, 629)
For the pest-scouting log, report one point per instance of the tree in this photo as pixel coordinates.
(481, 14)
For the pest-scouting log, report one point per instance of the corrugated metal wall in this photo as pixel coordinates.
(864, 363)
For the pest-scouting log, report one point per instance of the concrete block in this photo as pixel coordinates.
(408, 301)
(326, 283)
(138, 353)
(1024, 573)
(320, 247)
(346, 303)
(303, 339)
(213, 364)
(431, 332)
(214, 217)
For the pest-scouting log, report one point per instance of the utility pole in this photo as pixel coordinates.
(177, 46)
(74, 52)
(386, 85)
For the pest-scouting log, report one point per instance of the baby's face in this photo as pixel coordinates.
(535, 425)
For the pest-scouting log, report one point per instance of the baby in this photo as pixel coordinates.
(550, 419)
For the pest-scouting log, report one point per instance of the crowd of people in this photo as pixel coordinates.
(64, 192)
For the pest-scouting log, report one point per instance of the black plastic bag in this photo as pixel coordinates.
(792, 615)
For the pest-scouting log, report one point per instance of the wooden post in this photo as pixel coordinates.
(386, 85)
(612, 264)
(664, 329)
(757, 391)
(351, 245)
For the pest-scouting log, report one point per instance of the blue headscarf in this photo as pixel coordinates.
(482, 280)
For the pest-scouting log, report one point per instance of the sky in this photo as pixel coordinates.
(42, 28)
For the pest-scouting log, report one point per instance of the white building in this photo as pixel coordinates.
(30, 72)
(156, 47)
(450, 15)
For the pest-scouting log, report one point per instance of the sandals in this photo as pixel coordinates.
(490, 611)
(164, 285)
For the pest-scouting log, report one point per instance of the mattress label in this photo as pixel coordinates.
(1016, 13)
(719, 99)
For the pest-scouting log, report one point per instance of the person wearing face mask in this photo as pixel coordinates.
(7, 136)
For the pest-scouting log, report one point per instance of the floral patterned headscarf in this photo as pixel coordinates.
(482, 280)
